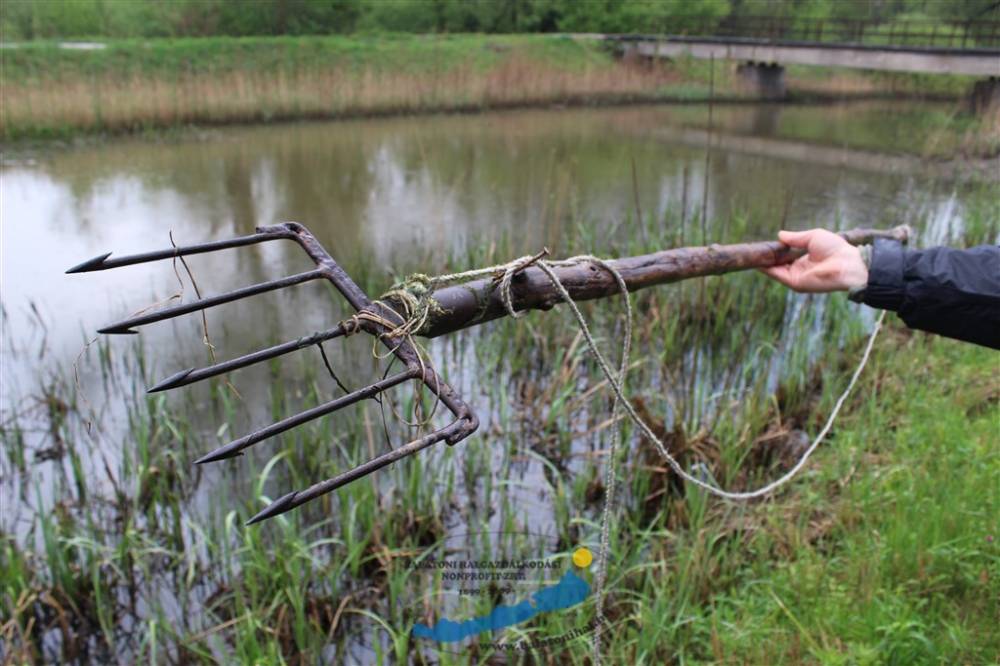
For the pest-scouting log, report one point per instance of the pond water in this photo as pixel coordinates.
(389, 196)
(382, 195)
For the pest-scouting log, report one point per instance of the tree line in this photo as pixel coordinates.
(61, 19)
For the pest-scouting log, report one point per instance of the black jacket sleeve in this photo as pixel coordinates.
(955, 293)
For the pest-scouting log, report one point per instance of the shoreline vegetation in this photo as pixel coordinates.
(884, 552)
(128, 86)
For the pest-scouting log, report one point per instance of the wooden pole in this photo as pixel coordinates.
(479, 301)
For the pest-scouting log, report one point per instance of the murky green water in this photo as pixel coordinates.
(388, 196)
(391, 196)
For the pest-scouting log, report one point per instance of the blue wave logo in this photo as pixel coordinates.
(568, 592)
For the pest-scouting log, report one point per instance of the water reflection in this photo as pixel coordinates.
(387, 196)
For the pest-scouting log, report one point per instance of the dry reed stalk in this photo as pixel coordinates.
(110, 102)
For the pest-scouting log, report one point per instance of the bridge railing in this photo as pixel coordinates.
(963, 35)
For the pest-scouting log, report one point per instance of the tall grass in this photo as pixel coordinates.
(134, 86)
(112, 103)
(881, 553)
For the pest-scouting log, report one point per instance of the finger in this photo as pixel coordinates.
(796, 238)
(782, 274)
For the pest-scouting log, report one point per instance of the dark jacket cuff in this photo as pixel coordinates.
(885, 275)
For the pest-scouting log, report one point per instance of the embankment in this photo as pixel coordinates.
(133, 85)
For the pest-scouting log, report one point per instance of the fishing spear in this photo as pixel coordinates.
(401, 314)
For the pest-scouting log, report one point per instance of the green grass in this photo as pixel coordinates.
(141, 85)
(157, 57)
(885, 551)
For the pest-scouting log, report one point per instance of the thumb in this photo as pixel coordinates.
(796, 238)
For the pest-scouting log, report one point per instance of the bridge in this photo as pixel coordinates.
(764, 45)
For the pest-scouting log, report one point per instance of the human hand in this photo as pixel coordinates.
(830, 263)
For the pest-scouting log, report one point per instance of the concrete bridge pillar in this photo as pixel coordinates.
(985, 96)
(766, 80)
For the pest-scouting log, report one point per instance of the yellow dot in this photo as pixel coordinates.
(582, 557)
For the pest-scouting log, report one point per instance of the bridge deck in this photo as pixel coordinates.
(933, 60)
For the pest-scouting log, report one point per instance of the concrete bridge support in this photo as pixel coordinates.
(985, 97)
(766, 80)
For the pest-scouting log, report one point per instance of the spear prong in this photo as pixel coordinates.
(234, 447)
(192, 375)
(227, 297)
(102, 263)
(95, 264)
(298, 498)
(326, 267)
(175, 380)
(276, 508)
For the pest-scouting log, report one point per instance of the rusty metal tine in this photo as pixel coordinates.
(101, 262)
(334, 272)
(297, 498)
(193, 375)
(233, 448)
(402, 347)
(126, 325)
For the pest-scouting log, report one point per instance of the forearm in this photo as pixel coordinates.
(955, 293)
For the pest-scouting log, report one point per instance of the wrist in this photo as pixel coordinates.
(854, 276)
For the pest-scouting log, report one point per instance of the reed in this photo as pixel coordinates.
(140, 557)
(45, 97)
(116, 104)
(132, 86)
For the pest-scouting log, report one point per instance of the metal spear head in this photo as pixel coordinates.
(377, 323)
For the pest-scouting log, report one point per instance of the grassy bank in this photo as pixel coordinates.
(132, 85)
(887, 554)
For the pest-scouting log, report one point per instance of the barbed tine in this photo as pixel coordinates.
(377, 322)
(125, 326)
(234, 448)
(300, 497)
(102, 263)
(192, 375)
